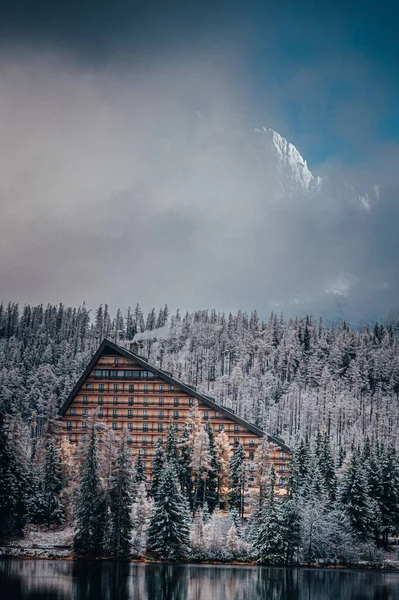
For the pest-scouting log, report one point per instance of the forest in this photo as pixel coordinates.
(331, 392)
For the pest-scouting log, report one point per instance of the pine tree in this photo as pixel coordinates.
(139, 473)
(212, 496)
(201, 467)
(121, 501)
(354, 498)
(269, 539)
(90, 515)
(223, 452)
(171, 448)
(168, 533)
(52, 486)
(232, 542)
(14, 478)
(185, 470)
(141, 513)
(157, 468)
(237, 480)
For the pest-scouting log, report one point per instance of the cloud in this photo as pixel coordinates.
(120, 183)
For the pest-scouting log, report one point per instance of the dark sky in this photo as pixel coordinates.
(128, 165)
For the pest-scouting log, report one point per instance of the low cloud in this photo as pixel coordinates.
(120, 184)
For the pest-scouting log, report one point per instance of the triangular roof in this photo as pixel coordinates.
(114, 348)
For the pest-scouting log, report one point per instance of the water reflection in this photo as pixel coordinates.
(62, 580)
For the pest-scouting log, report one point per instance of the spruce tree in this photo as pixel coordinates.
(169, 530)
(121, 501)
(90, 509)
(269, 537)
(158, 465)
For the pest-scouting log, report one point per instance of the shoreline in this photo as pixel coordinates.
(51, 554)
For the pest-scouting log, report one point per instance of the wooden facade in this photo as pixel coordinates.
(129, 393)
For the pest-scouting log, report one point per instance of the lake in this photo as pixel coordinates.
(68, 580)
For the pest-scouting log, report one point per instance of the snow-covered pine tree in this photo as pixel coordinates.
(158, 465)
(269, 535)
(211, 492)
(185, 470)
(140, 514)
(90, 515)
(169, 530)
(121, 501)
(171, 447)
(223, 451)
(53, 510)
(139, 473)
(14, 482)
(354, 497)
(201, 466)
(237, 480)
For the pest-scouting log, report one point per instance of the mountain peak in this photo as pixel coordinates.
(291, 163)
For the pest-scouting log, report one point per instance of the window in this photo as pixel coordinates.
(144, 466)
(282, 454)
(221, 427)
(191, 401)
(236, 441)
(84, 425)
(97, 373)
(161, 414)
(251, 455)
(176, 401)
(150, 375)
(72, 411)
(129, 450)
(85, 399)
(161, 401)
(131, 387)
(130, 413)
(84, 438)
(115, 399)
(101, 387)
(217, 415)
(89, 386)
(145, 401)
(160, 427)
(146, 387)
(101, 413)
(282, 481)
(145, 414)
(252, 441)
(144, 439)
(117, 361)
(100, 400)
(171, 387)
(85, 412)
(176, 427)
(206, 415)
(102, 373)
(161, 388)
(130, 426)
(114, 425)
(145, 426)
(69, 437)
(69, 425)
(236, 429)
(282, 468)
(175, 414)
(115, 413)
(143, 451)
(130, 401)
(113, 374)
(116, 387)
